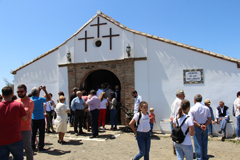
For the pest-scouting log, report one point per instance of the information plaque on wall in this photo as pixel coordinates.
(192, 76)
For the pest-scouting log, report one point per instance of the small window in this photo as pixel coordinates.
(98, 43)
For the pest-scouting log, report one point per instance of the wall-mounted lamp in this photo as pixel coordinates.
(69, 56)
(128, 50)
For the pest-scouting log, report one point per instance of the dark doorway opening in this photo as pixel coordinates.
(95, 79)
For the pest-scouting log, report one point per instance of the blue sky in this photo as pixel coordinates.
(30, 28)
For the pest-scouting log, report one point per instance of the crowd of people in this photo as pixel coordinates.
(23, 118)
(197, 122)
(34, 115)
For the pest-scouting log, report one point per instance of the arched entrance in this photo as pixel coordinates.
(93, 81)
(96, 78)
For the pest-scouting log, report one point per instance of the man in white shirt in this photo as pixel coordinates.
(174, 109)
(176, 105)
(100, 90)
(222, 116)
(138, 99)
(201, 117)
(237, 114)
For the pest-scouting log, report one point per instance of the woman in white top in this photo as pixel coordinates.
(185, 148)
(49, 107)
(103, 110)
(62, 118)
(142, 134)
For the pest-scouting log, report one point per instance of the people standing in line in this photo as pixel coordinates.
(185, 148)
(26, 129)
(207, 103)
(72, 96)
(108, 91)
(62, 119)
(222, 116)
(202, 118)
(103, 110)
(237, 114)
(38, 122)
(49, 108)
(174, 109)
(11, 114)
(142, 133)
(138, 100)
(78, 105)
(152, 119)
(100, 90)
(113, 110)
(93, 106)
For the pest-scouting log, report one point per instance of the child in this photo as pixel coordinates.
(142, 134)
(184, 148)
(152, 119)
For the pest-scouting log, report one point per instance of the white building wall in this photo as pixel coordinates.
(42, 72)
(166, 63)
(63, 82)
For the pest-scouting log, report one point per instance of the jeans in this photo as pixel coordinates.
(210, 128)
(71, 116)
(238, 126)
(182, 150)
(26, 138)
(151, 125)
(223, 123)
(200, 139)
(144, 142)
(171, 124)
(15, 148)
(78, 119)
(94, 121)
(38, 124)
(113, 117)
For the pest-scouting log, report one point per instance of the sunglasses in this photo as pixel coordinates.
(20, 92)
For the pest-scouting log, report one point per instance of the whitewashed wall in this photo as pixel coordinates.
(42, 72)
(165, 64)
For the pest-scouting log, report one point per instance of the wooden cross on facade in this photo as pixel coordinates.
(98, 26)
(110, 36)
(85, 38)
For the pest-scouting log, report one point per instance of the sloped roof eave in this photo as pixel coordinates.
(235, 60)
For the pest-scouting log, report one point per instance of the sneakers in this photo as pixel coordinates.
(104, 128)
(210, 135)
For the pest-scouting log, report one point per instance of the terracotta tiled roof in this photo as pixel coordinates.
(99, 13)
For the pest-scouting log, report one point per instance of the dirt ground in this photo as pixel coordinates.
(115, 145)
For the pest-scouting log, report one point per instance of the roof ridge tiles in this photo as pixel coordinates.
(103, 15)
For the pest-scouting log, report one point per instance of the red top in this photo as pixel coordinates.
(28, 105)
(153, 119)
(10, 123)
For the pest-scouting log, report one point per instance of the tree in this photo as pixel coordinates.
(8, 83)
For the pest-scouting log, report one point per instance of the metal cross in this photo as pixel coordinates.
(110, 36)
(85, 38)
(98, 28)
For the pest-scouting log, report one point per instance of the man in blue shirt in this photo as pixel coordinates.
(38, 121)
(77, 105)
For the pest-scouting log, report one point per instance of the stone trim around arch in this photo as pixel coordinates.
(123, 70)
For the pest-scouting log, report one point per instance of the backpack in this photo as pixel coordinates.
(177, 133)
(138, 121)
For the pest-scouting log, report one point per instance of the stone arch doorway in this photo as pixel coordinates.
(95, 78)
